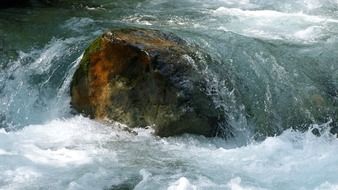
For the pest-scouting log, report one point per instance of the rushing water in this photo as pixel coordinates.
(273, 65)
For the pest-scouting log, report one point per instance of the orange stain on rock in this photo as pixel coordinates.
(113, 59)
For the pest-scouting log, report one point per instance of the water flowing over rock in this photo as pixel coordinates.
(145, 78)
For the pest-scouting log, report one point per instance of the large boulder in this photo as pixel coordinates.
(144, 78)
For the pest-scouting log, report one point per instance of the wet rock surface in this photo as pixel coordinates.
(145, 78)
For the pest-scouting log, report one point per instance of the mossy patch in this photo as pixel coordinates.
(94, 47)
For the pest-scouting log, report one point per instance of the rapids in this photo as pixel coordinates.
(273, 66)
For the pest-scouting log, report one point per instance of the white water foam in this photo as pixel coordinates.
(182, 184)
(78, 153)
(271, 24)
(35, 78)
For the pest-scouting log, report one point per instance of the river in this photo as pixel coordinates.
(273, 66)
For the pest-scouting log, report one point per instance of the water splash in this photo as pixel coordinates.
(272, 66)
(78, 153)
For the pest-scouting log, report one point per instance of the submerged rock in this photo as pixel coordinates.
(144, 78)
